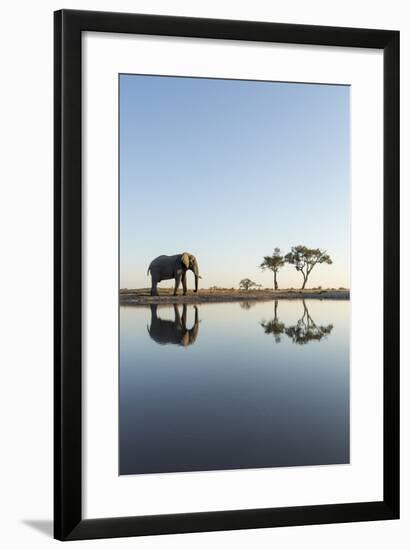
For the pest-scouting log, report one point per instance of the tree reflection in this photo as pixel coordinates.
(247, 305)
(164, 331)
(304, 331)
(274, 327)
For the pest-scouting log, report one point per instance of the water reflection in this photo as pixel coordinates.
(235, 399)
(164, 331)
(304, 331)
(274, 327)
(247, 305)
(167, 331)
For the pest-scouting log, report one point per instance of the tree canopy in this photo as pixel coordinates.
(273, 263)
(246, 284)
(304, 259)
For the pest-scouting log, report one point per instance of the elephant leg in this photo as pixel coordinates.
(154, 290)
(154, 282)
(184, 283)
(177, 281)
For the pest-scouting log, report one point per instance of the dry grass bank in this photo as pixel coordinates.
(141, 296)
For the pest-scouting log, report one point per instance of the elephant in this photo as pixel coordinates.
(164, 331)
(173, 267)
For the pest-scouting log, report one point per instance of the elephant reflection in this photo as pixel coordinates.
(165, 331)
(303, 332)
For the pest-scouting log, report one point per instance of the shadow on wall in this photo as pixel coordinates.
(44, 526)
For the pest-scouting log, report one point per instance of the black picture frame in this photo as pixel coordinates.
(68, 521)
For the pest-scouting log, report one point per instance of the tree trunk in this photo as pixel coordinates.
(304, 282)
(275, 282)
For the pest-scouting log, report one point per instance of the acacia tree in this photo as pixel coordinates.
(304, 259)
(273, 263)
(246, 284)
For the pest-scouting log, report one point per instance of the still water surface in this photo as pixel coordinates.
(234, 385)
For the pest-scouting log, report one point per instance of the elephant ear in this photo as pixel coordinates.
(185, 259)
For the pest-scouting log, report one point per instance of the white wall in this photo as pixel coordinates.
(26, 278)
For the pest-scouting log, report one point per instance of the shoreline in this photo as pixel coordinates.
(141, 297)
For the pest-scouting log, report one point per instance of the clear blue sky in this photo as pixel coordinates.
(230, 169)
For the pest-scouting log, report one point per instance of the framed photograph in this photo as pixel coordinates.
(226, 275)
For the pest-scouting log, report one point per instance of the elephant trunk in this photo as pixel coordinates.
(195, 269)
